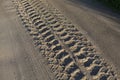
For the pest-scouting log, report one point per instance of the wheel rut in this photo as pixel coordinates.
(69, 54)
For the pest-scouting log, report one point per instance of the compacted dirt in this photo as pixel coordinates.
(52, 48)
(17, 52)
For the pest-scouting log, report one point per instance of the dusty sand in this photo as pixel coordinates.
(52, 48)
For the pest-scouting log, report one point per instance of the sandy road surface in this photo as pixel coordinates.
(17, 55)
(50, 46)
(69, 54)
(98, 22)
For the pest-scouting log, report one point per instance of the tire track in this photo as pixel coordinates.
(69, 54)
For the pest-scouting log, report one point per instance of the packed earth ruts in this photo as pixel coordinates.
(69, 54)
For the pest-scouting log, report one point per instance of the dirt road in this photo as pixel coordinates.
(97, 21)
(42, 44)
(17, 53)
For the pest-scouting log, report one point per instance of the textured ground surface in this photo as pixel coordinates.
(17, 53)
(98, 22)
(42, 36)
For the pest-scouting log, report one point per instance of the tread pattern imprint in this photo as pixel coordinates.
(69, 54)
